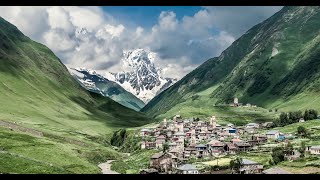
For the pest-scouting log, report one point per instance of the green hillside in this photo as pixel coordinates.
(274, 65)
(37, 91)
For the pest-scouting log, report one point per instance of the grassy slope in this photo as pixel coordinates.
(37, 91)
(288, 81)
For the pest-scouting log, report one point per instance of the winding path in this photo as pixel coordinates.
(106, 168)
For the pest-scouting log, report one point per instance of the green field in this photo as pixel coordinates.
(134, 163)
(205, 109)
(22, 153)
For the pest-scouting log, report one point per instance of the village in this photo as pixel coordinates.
(179, 140)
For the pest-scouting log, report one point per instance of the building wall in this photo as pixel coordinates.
(315, 151)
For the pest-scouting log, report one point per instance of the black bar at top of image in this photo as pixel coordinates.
(160, 2)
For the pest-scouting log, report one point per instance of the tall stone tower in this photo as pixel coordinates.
(213, 122)
(165, 122)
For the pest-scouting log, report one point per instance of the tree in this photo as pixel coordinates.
(283, 119)
(288, 149)
(118, 137)
(310, 114)
(302, 148)
(277, 155)
(236, 164)
(302, 131)
(186, 143)
(165, 147)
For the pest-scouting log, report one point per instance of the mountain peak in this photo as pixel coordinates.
(140, 76)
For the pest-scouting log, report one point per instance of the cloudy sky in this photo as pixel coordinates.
(95, 37)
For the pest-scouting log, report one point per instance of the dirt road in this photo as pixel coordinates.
(106, 167)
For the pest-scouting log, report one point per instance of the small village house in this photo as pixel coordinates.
(301, 120)
(260, 138)
(230, 148)
(252, 125)
(145, 132)
(187, 169)
(189, 151)
(274, 134)
(202, 135)
(250, 167)
(314, 150)
(162, 162)
(242, 146)
(148, 145)
(159, 144)
(268, 125)
(201, 150)
(215, 147)
(233, 141)
(230, 125)
(231, 131)
(172, 145)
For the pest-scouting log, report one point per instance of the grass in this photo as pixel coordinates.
(134, 163)
(225, 114)
(221, 162)
(50, 156)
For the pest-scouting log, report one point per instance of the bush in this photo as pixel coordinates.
(118, 137)
(277, 155)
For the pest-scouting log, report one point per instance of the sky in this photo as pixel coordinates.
(182, 37)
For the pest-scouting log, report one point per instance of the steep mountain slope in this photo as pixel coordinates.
(97, 83)
(30, 75)
(275, 64)
(142, 78)
(38, 92)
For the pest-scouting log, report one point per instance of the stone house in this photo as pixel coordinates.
(148, 145)
(163, 162)
(189, 151)
(314, 150)
(201, 150)
(187, 169)
(202, 135)
(252, 125)
(242, 146)
(250, 167)
(159, 144)
(215, 147)
(145, 132)
(230, 148)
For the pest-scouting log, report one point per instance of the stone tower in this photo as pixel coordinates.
(213, 122)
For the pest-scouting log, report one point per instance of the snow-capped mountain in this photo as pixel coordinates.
(94, 82)
(142, 78)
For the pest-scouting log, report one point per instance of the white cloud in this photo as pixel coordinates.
(89, 37)
(58, 40)
(168, 21)
(58, 18)
(114, 31)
